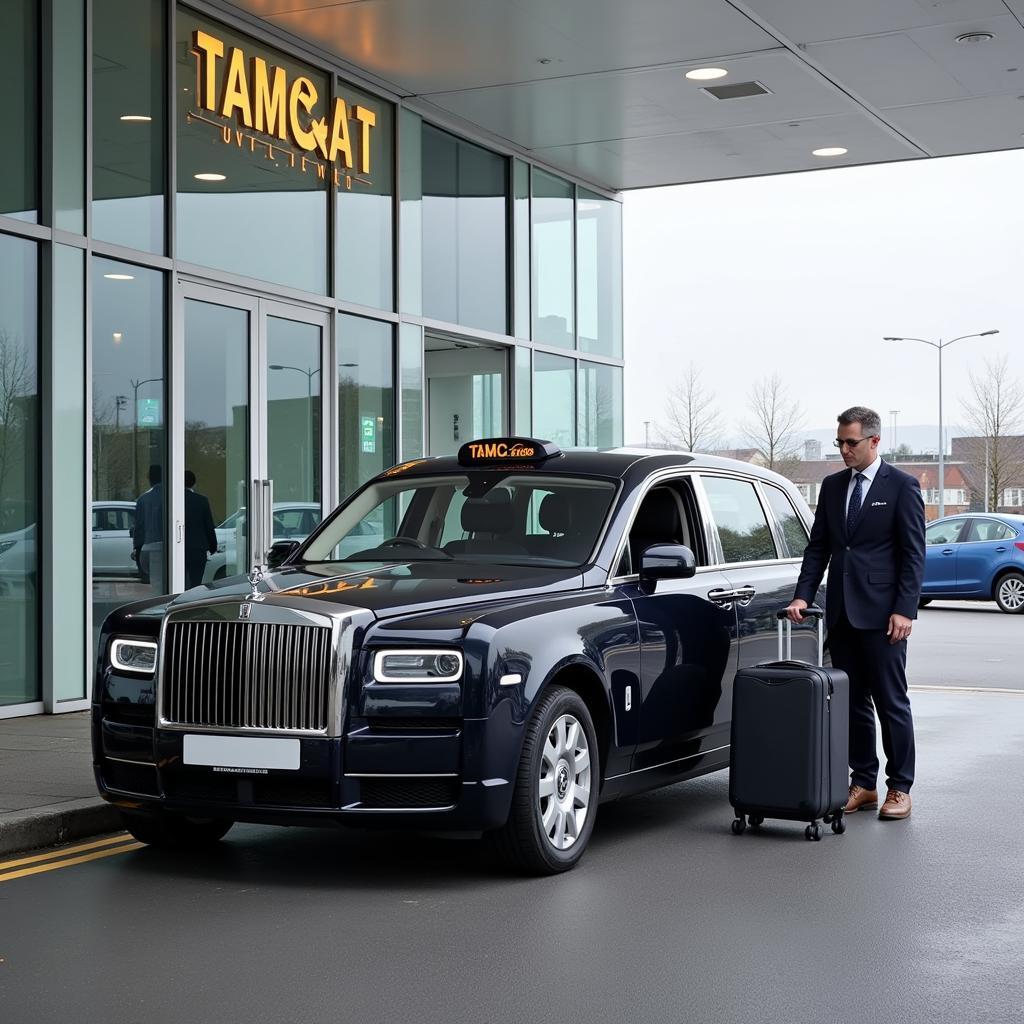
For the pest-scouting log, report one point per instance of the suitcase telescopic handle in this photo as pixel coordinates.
(812, 612)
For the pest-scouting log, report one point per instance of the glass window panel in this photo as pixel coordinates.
(19, 85)
(552, 279)
(599, 273)
(129, 423)
(742, 527)
(464, 225)
(68, 124)
(521, 227)
(794, 533)
(365, 229)
(366, 400)
(600, 406)
(554, 398)
(263, 213)
(129, 124)
(410, 273)
(524, 391)
(410, 377)
(19, 461)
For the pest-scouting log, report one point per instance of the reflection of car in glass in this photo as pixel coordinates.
(292, 521)
(18, 562)
(975, 557)
(490, 643)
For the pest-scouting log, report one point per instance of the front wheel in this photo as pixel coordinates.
(175, 831)
(555, 799)
(1010, 593)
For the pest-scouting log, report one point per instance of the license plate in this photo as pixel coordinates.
(241, 751)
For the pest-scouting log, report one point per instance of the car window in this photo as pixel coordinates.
(288, 522)
(742, 526)
(794, 532)
(667, 515)
(991, 529)
(947, 532)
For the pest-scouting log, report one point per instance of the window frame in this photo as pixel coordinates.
(781, 541)
(973, 526)
(754, 481)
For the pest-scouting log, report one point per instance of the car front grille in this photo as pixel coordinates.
(246, 675)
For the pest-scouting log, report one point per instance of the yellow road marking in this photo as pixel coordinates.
(56, 865)
(64, 852)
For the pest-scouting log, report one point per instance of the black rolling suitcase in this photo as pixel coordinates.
(789, 745)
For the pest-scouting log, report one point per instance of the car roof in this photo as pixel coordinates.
(1012, 517)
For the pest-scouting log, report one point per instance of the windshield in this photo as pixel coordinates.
(518, 519)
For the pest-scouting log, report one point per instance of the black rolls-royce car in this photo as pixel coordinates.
(494, 642)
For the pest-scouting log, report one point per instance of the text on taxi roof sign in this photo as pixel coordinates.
(492, 450)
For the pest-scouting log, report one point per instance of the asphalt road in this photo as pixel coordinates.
(668, 918)
(966, 643)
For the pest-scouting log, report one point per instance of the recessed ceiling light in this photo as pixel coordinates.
(976, 37)
(119, 277)
(117, 337)
(706, 74)
(829, 151)
(209, 176)
(136, 117)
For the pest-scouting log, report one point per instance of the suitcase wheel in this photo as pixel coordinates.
(813, 832)
(756, 820)
(839, 824)
(738, 825)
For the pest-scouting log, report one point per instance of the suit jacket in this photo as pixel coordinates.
(199, 532)
(149, 518)
(877, 570)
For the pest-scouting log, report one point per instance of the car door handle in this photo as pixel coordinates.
(1000, 549)
(742, 594)
(948, 551)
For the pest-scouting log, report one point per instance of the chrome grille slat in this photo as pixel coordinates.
(246, 675)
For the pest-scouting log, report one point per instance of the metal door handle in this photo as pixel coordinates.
(1000, 549)
(948, 551)
(745, 595)
(724, 598)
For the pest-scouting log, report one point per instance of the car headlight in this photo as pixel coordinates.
(435, 666)
(134, 656)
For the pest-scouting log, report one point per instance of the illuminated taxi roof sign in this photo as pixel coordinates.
(493, 451)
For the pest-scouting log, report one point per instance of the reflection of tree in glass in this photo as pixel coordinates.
(112, 450)
(17, 385)
(747, 546)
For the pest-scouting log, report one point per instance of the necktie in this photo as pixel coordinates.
(855, 501)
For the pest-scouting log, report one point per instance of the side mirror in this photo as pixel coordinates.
(667, 562)
(280, 551)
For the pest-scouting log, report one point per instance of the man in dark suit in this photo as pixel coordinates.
(148, 532)
(869, 533)
(200, 536)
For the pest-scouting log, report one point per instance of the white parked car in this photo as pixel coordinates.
(293, 520)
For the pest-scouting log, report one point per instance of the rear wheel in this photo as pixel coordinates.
(175, 831)
(555, 799)
(1010, 593)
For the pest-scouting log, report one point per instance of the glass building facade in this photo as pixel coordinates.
(229, 270)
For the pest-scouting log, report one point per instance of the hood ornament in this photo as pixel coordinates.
(255, 578)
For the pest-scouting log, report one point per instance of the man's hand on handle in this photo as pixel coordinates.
(794, 610)
(899, 628)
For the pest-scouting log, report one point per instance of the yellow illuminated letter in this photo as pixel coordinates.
(302, 94)
(367, 119)
(340, 142)
(236, 89)
(269, 99)
(207, 48)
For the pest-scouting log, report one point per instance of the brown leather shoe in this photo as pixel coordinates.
(861, 798)
(897, 805)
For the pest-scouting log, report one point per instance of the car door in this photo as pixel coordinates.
(985, 544)
(758, 565)
(119, 553)
(942, 545)
(104, 539)
(687, 637)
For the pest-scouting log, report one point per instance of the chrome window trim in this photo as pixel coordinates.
(379, 655)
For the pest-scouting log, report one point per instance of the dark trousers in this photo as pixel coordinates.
(195, 565)
(878, 682)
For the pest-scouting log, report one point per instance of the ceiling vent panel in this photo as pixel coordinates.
(736, 91)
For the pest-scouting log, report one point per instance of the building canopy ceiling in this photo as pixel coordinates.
(598, 88)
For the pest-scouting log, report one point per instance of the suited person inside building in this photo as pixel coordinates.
(868, 533)
(200, 536)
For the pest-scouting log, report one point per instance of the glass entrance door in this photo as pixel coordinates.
(250, 430)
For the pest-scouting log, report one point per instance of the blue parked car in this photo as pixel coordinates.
(976, 557)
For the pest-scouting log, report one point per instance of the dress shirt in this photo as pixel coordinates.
(869, 476)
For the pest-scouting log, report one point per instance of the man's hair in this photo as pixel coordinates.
(869, 420)
(155, 474)
(190, 478)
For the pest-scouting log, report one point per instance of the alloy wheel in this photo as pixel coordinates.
(1011, 593)
(563, 790)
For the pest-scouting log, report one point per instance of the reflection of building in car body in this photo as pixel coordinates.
(465, 644)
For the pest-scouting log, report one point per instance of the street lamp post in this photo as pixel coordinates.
(894, 413)
(136, 384)
(309, 375)
(939, 346)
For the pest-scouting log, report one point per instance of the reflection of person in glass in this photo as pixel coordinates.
(200, 536)
(148, 538)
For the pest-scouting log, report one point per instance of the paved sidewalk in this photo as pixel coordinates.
(47, 794)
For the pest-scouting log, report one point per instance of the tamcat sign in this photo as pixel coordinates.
(263, 98)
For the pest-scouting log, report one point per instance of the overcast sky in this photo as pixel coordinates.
(804, 273)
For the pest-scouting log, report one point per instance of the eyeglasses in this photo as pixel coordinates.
(839, 442)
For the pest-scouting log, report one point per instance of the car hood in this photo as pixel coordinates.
(395, 588)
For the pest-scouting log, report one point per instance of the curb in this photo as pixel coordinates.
(47, 826)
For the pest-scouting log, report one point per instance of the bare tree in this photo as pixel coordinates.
(774, 422)
(692, 419)
(16, 386)
(994, 409)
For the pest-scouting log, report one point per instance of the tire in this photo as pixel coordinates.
(175, 831)
(1009, 593)
(559, 767)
